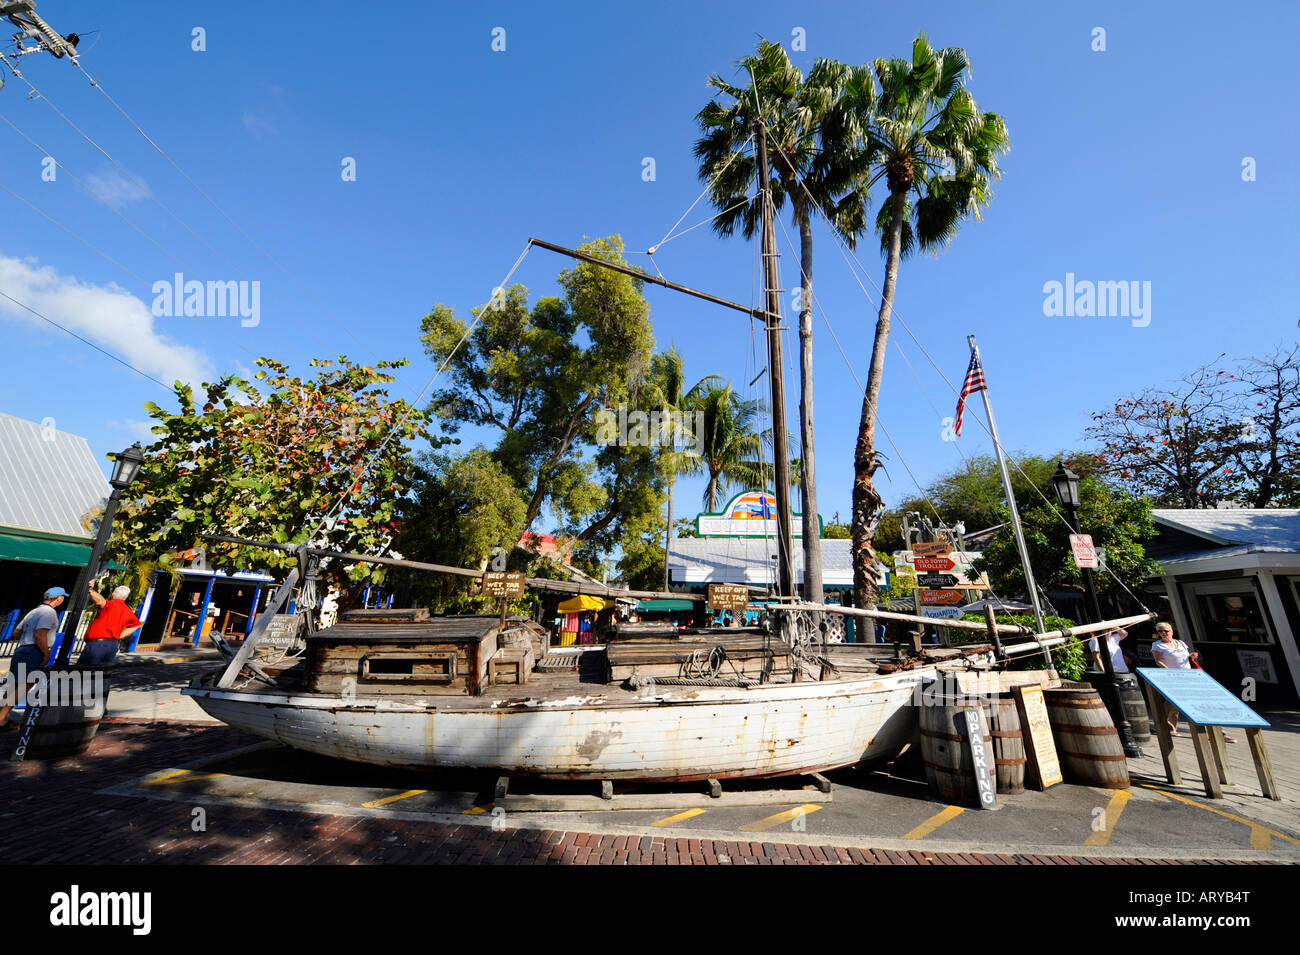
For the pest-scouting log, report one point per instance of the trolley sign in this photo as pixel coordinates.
(1085, 555)
(503, 584)
(734, 597)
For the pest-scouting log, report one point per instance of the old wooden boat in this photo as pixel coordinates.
(489, 694)
(426, 692)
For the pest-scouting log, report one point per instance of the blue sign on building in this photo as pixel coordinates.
(1200, 698)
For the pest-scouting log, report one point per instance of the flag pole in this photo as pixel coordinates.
(1011, 500)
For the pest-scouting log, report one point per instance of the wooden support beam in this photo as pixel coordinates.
(1263, 765)
(1205, 760)
(1220, 750)
(1156, 703)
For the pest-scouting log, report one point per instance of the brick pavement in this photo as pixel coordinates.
(49, 813)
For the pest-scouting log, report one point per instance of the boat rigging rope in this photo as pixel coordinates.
(147, 138)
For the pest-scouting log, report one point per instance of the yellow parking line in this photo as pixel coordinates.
(165, 777)
(772, 821)
(680, 817)
(934, 822)
(181, 775)
(477, 810)
(1114, 809)
(1264, 831)
(376, 803)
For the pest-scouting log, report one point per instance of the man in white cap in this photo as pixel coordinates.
(35, 634)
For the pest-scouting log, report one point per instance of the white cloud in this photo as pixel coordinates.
(259, 126)
(141, 431)
(108, 315)
(116, 189)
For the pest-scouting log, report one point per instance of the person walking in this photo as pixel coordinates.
(114, 621)
(1118, 658)
(35, 638)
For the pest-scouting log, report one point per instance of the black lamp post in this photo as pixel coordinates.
(1066, 484)
(125, 469)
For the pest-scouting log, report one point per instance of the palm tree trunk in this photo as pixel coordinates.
(812, 545)
(668, 535)
(866, 499)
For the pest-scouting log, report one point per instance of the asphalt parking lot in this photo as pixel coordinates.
(893, 808)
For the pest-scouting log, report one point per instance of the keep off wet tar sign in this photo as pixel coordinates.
(981, 759)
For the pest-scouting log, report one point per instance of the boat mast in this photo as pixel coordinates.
(1011, 501)
(775, 369)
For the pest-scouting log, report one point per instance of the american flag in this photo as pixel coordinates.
(974, 382)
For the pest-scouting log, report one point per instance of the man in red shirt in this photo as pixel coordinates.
(113, 622)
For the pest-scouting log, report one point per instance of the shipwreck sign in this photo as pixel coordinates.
(503, 584)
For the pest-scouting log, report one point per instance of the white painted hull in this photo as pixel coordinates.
(680, 733)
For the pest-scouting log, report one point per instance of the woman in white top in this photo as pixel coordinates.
(1173, 655)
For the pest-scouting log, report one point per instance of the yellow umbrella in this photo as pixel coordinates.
(584, 602)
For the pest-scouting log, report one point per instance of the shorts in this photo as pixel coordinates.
(98, 653)
(29, 655)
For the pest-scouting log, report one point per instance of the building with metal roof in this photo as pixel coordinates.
(1232, 576)
(51, 490)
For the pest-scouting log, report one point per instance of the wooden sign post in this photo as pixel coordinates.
(1040, 749)
(733, 597)
(504, 585)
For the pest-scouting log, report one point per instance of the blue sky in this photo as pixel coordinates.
(1125, 165)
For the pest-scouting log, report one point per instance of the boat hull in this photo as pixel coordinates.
(696, 733)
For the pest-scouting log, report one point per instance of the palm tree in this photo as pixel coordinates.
(937, 152)
(730, 451)
(668, 374)
(807, 139)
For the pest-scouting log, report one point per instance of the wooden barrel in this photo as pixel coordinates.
(1132, 701)
(1003, 718)
(1086, 741)
(948, 764)
(66, 728)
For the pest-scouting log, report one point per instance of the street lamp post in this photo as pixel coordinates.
(125, 469)
(1066, 484)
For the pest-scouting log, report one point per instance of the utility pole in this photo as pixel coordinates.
(775, 369)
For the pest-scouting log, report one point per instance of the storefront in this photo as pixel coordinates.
(1233, 582)
(51, 492)
(738, 546)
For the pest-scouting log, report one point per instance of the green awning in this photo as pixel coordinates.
(665, 605)
(41, 551)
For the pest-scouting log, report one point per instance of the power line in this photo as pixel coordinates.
(99, 86)
(102, 351)
(158, 202)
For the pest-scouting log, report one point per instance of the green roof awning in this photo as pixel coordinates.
(665, 605)
(42, 551)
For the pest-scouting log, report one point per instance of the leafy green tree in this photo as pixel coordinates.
(280, 458)
(1116, 520)
(936, 152)
(462, 509)
(538, 376)
(807, 144)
